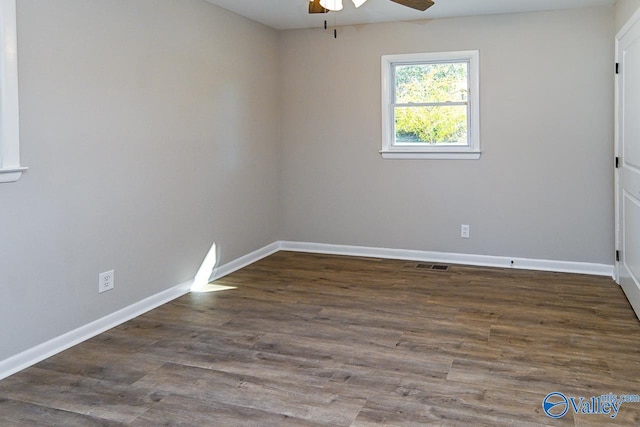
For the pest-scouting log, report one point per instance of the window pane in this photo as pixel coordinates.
(438, 82)
(431, 125)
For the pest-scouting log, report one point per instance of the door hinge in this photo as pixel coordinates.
(617, 68)
(618, 256)
(617, 162)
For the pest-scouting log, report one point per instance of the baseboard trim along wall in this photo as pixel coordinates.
(453, 258)
(47, 349)
(56, 345)
(245, 260)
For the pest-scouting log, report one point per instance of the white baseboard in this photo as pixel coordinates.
(56, 345)
(42, 351)
(47, 349)
(453, 258)
(245, 260)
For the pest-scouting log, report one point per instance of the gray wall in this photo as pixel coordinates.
(151, 129)
(544, 185)
(624, 10)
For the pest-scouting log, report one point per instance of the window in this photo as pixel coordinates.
(430, 106)
(10, 169)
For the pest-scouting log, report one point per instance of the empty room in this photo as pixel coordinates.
(319, 213)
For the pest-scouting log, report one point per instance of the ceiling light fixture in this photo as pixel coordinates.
(332, 5)
(324, 6)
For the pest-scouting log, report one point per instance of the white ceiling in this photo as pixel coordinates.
(288, 14)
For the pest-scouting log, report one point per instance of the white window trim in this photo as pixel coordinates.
(10, 168)
(470, 152)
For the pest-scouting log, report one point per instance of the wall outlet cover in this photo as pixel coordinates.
(106, 281)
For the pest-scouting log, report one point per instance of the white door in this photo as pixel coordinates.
(628, 160)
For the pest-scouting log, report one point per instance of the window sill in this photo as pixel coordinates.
(426, 155)
(11, 174)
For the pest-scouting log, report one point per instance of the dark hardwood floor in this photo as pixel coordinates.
(308, 340)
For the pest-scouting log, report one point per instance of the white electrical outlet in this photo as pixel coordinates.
(465, 232)
(105, 281)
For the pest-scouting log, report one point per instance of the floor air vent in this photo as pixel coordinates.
(437, 267)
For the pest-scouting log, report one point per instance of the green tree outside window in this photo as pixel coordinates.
(431, 103)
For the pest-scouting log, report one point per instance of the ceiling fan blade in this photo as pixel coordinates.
(314, 7)
(416, 4)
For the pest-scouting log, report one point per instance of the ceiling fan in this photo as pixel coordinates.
(324, 6)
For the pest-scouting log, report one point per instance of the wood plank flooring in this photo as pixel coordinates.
(316, 340)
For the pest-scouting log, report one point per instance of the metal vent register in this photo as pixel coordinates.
(437, 267)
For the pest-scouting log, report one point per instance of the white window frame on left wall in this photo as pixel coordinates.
(10, 167)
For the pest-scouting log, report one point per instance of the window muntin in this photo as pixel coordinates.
(430, 105)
